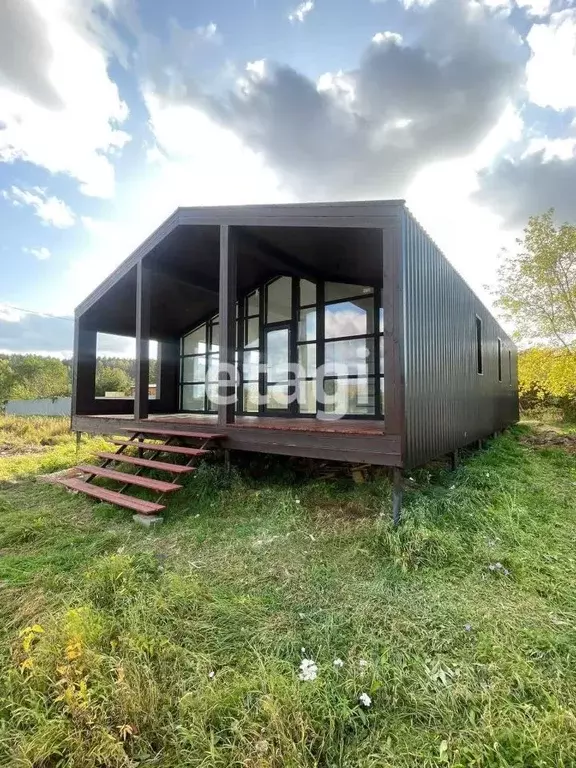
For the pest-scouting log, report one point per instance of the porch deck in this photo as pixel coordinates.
(358, 440)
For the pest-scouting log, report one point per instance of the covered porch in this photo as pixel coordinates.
(278, 327)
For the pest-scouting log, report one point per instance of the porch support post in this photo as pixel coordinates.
(142, 342)
(454, 459)
(397, 494)
(167, 375)
(228, 279)
(393, 335)
(84, 370)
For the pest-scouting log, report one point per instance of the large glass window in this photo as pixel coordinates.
(199, 367)
(279, 300)
(295, 322)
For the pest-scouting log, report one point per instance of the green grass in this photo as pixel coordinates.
(31, 445)
(110, 633)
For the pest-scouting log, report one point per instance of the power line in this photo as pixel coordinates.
(34, 312)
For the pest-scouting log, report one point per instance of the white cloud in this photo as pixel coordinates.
(213, 169)
(60, 110)
(551, 71)
(209, 32)
(50, 210)
(40, 253)
(535, 7)
(563, 149)
(383, 37)
(300, 12)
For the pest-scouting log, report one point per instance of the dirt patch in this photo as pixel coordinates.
(331, 510)
(20, 450)
(54, 477)
(549, 438)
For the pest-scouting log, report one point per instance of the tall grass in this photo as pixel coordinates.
(19, 431)
(181, 647)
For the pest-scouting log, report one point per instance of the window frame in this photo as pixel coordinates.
(243, 315)
(478, 324)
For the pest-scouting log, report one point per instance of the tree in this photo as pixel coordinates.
(547, 377)
(111, 380)
(7, 380)
(38, 376)
(537, 285)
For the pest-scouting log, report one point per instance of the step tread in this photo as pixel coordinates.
(173, 433)
(112, 497)
(125, 477)
(181, 449)
(164, 466)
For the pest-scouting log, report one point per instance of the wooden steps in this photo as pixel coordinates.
(184, 450)
(112, 497)
(174, 433)
(186, 453)
(128, 478)
(161, 466)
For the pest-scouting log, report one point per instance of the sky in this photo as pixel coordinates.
(115, 112)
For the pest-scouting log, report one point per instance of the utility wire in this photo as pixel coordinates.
(34, 312)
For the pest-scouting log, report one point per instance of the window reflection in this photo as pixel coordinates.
(353, 357)
(307, 324)
(279, 300)
(351, 350)
(348, 318)
(353, 396)
(337, 291)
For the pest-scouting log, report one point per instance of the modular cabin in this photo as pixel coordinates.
(336, 331)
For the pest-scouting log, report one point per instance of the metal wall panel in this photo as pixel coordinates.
(45, 406)
(448, 404)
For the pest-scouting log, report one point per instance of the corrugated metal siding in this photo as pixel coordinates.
(447, 403)
(47, 406)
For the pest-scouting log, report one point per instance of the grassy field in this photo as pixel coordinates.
(182, 646)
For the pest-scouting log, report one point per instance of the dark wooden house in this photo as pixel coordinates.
(350, 335)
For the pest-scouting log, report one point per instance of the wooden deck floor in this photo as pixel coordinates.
(358, 441)
(345, 426)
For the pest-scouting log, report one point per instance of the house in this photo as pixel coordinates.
(334, 331)
(151, 391)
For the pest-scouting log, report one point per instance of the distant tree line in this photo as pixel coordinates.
(28, 377)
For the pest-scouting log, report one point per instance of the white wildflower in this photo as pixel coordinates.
(338, 663)
(211, 674)
(308, 670)
(468, 627)
(297, 501)
(362, 663)
(302, 650)
(365, 700)
(487, 474)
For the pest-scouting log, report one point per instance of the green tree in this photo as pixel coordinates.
(537, 285)
(111, 380)
(7, 380)
(38, 376)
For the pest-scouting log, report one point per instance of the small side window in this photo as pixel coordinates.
(479, 356)
(499, 359)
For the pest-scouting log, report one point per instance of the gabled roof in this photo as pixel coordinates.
(365, 214)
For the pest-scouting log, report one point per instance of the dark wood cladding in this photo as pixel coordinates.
(448, 404)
